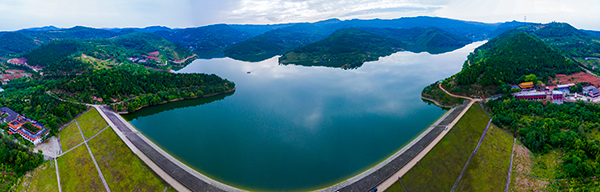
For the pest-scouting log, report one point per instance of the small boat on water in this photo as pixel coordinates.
(248, 72)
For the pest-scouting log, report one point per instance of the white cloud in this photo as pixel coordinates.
(17, 14)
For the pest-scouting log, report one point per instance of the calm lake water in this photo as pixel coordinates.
(295, 128)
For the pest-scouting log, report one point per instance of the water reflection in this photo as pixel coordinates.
(299, 128)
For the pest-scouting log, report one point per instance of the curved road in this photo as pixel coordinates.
(183, 178)
(391, 180)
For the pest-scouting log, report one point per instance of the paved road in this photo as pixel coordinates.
(406, 158)
(178, 175)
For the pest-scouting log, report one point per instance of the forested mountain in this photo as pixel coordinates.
(418, 39)
(142, 87)
(348, 48)
(208, 41)
(508, 57)
(12, 43)
(77, 32)
(351, 47)
(564, 38)
(75, 56)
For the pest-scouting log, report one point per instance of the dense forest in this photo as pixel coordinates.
(564, 38)
(349, 48)
(269, 44)
(66, 56)
(569, 127)
(15, 161)
(509, 57)
(418, 39)
(28, 97)
(208, 41)
(134, 89)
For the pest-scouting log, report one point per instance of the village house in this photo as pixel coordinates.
(591, 91)
(16, 124)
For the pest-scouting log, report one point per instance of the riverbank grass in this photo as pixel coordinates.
(488, 169)
(91, 122)
(434, 92)
(440, 168)
(122, 170)
(70, 137)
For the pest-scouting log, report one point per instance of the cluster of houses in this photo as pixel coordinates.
(13, 74)
(16, 125)
(556, 95)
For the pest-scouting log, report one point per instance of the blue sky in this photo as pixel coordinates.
(19, 14)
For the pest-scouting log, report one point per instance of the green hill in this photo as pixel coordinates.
(66, 56)
(418, 39)
(13, 43)
(208, 41)
(564, 38)
(506, 58)
(348, 48)
(269, 44)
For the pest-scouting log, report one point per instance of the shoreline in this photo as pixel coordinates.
(438, 103)
(174, 100)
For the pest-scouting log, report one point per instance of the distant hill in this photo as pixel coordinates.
(564, 38)
(594, 33)
(508, 57)
(206, 42)
(70, 55)
(281, 40)
(12, 43)
(45, 28)
(347, 48)
(418, 39)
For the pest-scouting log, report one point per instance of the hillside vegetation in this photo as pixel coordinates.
(269, 44)
(139, 88)
(348, 47)
(208, 41)
(59, 57)
(418, 39)
(506, 58)
(564, 38)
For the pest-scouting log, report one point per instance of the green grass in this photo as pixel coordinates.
(123, 170)
(43, 178)
(523, 162)
(78, 172)
(488, 170)
(439, 169)
(434, 92)
(546, 165)
(91, 122)
(70, 137)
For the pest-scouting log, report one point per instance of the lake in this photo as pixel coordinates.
(297, 128)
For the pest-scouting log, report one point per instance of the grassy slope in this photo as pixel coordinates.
(70, 136)
(525, 162)
(78, 172)
(91, 123)
(123, 170)
(434, 92)
(488, 169)
(438, 170)
(43, 179)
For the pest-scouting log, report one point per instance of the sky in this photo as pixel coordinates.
(20, 14)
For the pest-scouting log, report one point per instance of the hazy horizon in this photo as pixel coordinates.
(16, 15)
